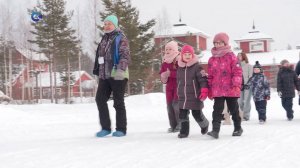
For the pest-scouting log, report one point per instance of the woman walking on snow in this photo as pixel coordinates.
(192, 91)
(244, 100)
(168, 76)
(111, 65)
(224, 80)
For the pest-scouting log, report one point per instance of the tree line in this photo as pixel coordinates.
(54, 37)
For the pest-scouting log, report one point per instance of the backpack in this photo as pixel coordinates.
(117, 57)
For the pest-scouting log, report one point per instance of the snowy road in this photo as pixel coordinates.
(62, 136)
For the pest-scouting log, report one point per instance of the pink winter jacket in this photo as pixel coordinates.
(224, 76)
(171, 88)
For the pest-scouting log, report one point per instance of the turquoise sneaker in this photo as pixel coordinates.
(103, 133)
(118, 134)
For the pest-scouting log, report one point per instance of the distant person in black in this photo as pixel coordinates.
(297, 70)
(287, 81)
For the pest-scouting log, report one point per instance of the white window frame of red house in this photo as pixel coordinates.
(46, 92)
(58, 91)
(35, 92)
(259, 46)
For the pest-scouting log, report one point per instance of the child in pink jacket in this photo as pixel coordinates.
(168, 77)
(224, 81)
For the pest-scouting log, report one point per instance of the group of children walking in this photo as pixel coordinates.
(228, 79)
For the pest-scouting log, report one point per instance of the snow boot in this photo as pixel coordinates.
(261, 122)
(204, 130)
(177, 128)
(103, 133)
(118, 134)
(201, 120)
(173, 130)
(185, 129)
(170, 130)
(204, 126)
(213, 134)
(237, 132)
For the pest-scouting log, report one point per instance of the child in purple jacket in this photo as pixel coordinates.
(168, 77)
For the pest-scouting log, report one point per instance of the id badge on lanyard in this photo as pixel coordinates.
(101, 60)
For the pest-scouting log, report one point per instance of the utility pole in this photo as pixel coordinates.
(51, 77)
(36, 86)
(5, 69)
(23, 76)
(69, 78)
(54, 70)
(32, 86)
(79, 57)
(79, 64)
(29, 88)
(41, 89)
(10, 72)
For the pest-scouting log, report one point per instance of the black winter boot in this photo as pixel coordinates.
(204, 126)
(213, 134)
(201, 120)
(185, 129)
(204, 130)
(237, 132)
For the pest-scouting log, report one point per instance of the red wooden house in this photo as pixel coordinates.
(26, 62)
(80, 78)
(255, 42)
(184, 34)
(257, 45)
(32, 78)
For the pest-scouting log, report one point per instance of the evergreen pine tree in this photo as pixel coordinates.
(140, 38)
(5, 46)
(67, 79)
(53, 36)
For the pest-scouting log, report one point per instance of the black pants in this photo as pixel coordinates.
(233, 107)
(287, 104)
(117, 87)
(185, 123)
(261, 108)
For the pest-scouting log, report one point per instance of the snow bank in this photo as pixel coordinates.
(56, 136)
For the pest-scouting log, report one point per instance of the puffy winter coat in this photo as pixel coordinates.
(171, 85)
(287, 81)
(224, 73)
(106, 49)
(190, 80)
(259, 86)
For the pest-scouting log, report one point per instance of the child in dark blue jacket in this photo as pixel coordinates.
(260, 89)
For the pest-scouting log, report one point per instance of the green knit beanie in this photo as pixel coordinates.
(113, 19)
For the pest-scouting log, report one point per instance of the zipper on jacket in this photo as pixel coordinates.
(194, 89)
(178, 87)
(184, 90)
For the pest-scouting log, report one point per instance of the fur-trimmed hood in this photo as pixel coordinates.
(188, 64)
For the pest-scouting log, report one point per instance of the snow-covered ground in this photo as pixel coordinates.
(61, 136)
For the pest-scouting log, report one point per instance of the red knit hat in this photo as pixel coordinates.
(187, 49)
(222, 37)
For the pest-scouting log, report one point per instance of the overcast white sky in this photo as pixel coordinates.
(278, 18)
